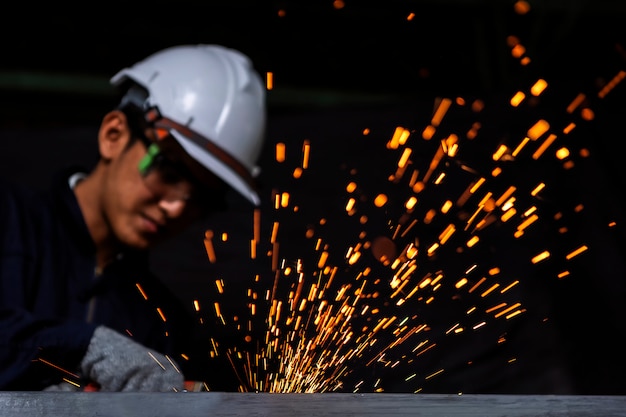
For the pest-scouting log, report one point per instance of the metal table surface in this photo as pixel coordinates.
(101, 404)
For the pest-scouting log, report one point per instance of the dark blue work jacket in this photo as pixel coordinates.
(51, 298)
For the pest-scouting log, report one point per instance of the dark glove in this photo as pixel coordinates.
(117, 363)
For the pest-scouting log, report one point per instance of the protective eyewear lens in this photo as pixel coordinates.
(163, 176)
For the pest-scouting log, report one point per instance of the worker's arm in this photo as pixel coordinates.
(44, 338)
(35, 353)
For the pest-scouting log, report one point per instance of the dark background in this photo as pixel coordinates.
(338, 70)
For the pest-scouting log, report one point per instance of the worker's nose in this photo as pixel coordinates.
(172, 208)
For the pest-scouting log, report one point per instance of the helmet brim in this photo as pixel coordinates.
(214, 165)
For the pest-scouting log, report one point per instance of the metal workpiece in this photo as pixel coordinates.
(101, 404)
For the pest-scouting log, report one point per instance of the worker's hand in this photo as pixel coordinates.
(117, 363)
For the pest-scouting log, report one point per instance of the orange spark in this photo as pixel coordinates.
(280, 152)
(306, 151)
(517, 98)
(538, 87)
(269, 80)
(540, 257)
(538, 129)
(576, 252)
(442, 108)
(208, 245)
(143, 294)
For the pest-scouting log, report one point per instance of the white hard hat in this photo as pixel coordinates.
(213, 103)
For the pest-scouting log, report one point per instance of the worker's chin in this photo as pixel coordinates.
(144, 241)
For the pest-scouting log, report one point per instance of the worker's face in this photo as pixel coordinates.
(141, 210)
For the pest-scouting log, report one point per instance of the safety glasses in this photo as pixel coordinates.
(166, 169)
(163, 176)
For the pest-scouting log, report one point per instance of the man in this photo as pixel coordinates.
(78, 304)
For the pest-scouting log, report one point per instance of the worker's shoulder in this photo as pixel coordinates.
(15, 192)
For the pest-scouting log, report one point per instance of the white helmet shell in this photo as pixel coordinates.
(214, 91)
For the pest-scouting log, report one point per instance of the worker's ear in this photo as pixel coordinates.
(114, 135)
